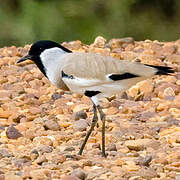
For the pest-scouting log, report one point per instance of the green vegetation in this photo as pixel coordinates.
(25, 21)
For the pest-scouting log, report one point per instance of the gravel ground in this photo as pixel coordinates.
(42, 128)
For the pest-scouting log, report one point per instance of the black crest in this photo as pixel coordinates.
(38, 47)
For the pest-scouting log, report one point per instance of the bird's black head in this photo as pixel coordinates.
(38, 47)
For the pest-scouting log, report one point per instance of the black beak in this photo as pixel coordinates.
(24, 58)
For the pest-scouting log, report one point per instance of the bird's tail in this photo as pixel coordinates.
(162, 70)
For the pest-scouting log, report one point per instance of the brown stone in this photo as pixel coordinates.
(80, 125)
(70, 178)
(13, 133)
(51, 125)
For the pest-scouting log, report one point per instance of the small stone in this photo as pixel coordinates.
(2, 177)
(37, 174)
(80, 107)
(119, 162)
(41, 159)
(69, 148)
(42, 148)
(111, 147)
(42, 140)
(5, 153)
(169, 92)
(52, 125)
(112, 111)
(56, 96)
(99, 42)
(12, 176)
(96, 145)
(34, 155)
(135, 178)
(140, 144)
(131, 166)
(21, 162)
(1, 172)
(144, 161)
(35, 110)
(79, 173)
(80, 125)
(56, 157)
(117, 43)
(4, 114)
(147, 173)
(169, 88)
(80, 115)
(13, 133)
(70, 178)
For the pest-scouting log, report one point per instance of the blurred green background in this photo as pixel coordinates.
(25, 21)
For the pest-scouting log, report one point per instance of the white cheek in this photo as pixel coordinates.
(52, 60)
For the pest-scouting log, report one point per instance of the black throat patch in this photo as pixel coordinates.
(39, 64)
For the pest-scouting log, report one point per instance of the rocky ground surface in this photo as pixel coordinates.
(42, 128)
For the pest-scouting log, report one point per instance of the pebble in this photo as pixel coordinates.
(80, 125)
(140, 144)
(21, 162)
(41, 159)
(69, 148)
(80, 107)
(112, 111)
(169, 92)
(79, 173)
(13, 133)
(34, 155)
(51, 125)
(111, 147)
(99, 42)
(80, 115)
(5, 153)
(35, 110)
(70, 178)
(117, 43)
(56, 158)
(4, 114)
(144, 161)
(12, 176)
(2, 177)
(37, 174)
(135, 178)
(42, 148)
(56, 96)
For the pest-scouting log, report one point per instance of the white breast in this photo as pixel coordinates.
(52, 59)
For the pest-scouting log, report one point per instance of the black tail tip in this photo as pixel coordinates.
(163, 70)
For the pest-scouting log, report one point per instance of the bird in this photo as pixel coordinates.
(91, 74)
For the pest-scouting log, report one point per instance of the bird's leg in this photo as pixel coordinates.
(94, 121)
(102, 116)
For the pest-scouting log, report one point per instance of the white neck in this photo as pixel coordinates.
(52, 60)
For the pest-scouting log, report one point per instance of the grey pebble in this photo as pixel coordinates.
(80, 125)
(51, 125)
(111, 147)
(13, 133)
(79, 173)
(80, 115)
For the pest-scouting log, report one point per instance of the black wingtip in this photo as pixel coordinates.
(162, 70)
